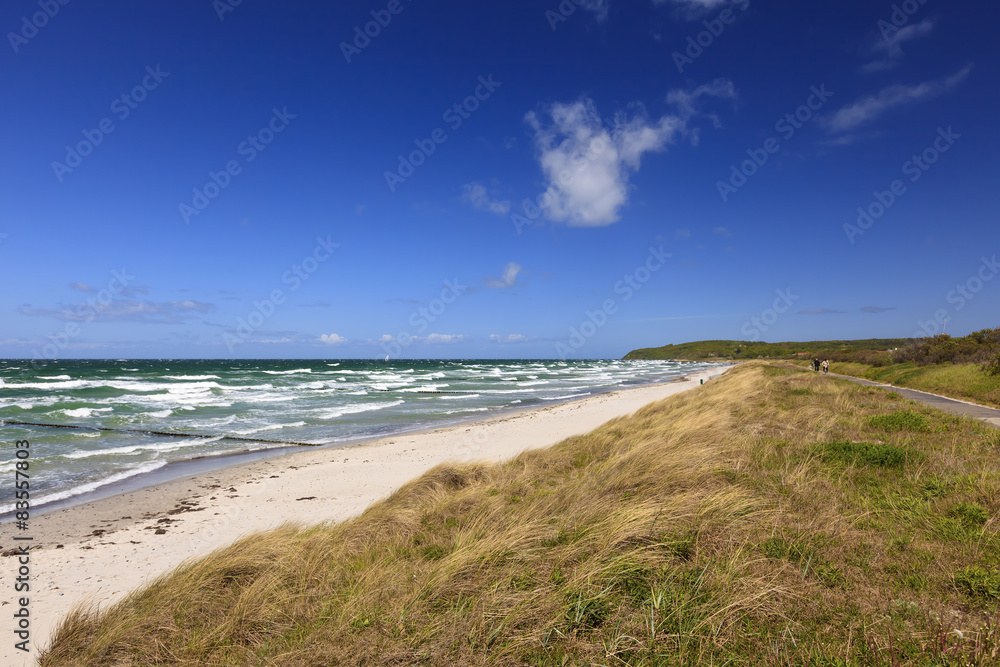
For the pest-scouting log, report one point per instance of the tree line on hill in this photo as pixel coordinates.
(979, 347)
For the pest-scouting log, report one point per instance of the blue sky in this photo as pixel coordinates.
(518, 179)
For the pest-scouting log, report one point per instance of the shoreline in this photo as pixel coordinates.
(203, 464)
(99, 551)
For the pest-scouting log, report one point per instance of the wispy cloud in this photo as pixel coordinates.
(125, 291)
(890, 49)
(599, 8)
(588, 162)
(692, 9)
(509, 338)
(869, 108)
(125, 310)
(876, 309)
(509, 277)
(476, 194)
(444, 339)
(683, 233)
(723, 232)
(820, 311)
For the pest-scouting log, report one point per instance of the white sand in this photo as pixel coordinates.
(310, 487)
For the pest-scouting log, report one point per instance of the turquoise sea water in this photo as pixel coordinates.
(320, 402)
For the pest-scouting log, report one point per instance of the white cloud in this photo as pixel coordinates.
(509, 277)
(437, 339)
(867, 109)
(683, 233)
(509, 338)
(890, 48)
(332, 339)
(588, 163)
(722, 231)
(475, 193)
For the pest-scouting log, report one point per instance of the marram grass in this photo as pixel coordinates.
(767, 518)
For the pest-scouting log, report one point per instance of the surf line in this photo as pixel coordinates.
(160, 433)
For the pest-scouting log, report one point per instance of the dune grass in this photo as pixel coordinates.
(767, 518)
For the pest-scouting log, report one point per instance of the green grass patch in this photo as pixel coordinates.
(970, 515)
(873, 454)
(899, 421)
(979, 583)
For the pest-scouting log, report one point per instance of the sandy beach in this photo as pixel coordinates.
(98, 552)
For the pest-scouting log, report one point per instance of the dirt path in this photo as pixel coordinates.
(989, 415)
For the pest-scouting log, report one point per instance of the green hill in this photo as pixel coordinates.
(734, 349)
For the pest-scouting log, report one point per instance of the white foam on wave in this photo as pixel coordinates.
(83, 413)
(459, 397)
(297, 370)
(162, 414)
(326, 413)
(65, 384)
(432, 388)
(185, 443)
(92, 486)
(191, 377)
(269, 427)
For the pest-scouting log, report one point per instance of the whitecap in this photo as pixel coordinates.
(269, 427)
(326, 413)
(83, 413)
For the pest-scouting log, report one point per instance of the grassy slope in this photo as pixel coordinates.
(712, 349)
(964, 381)
(772, 516)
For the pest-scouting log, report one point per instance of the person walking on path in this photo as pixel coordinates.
(826, 366)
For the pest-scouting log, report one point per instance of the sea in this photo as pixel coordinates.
(136, 421)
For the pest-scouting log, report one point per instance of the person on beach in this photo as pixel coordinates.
(826, 366)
